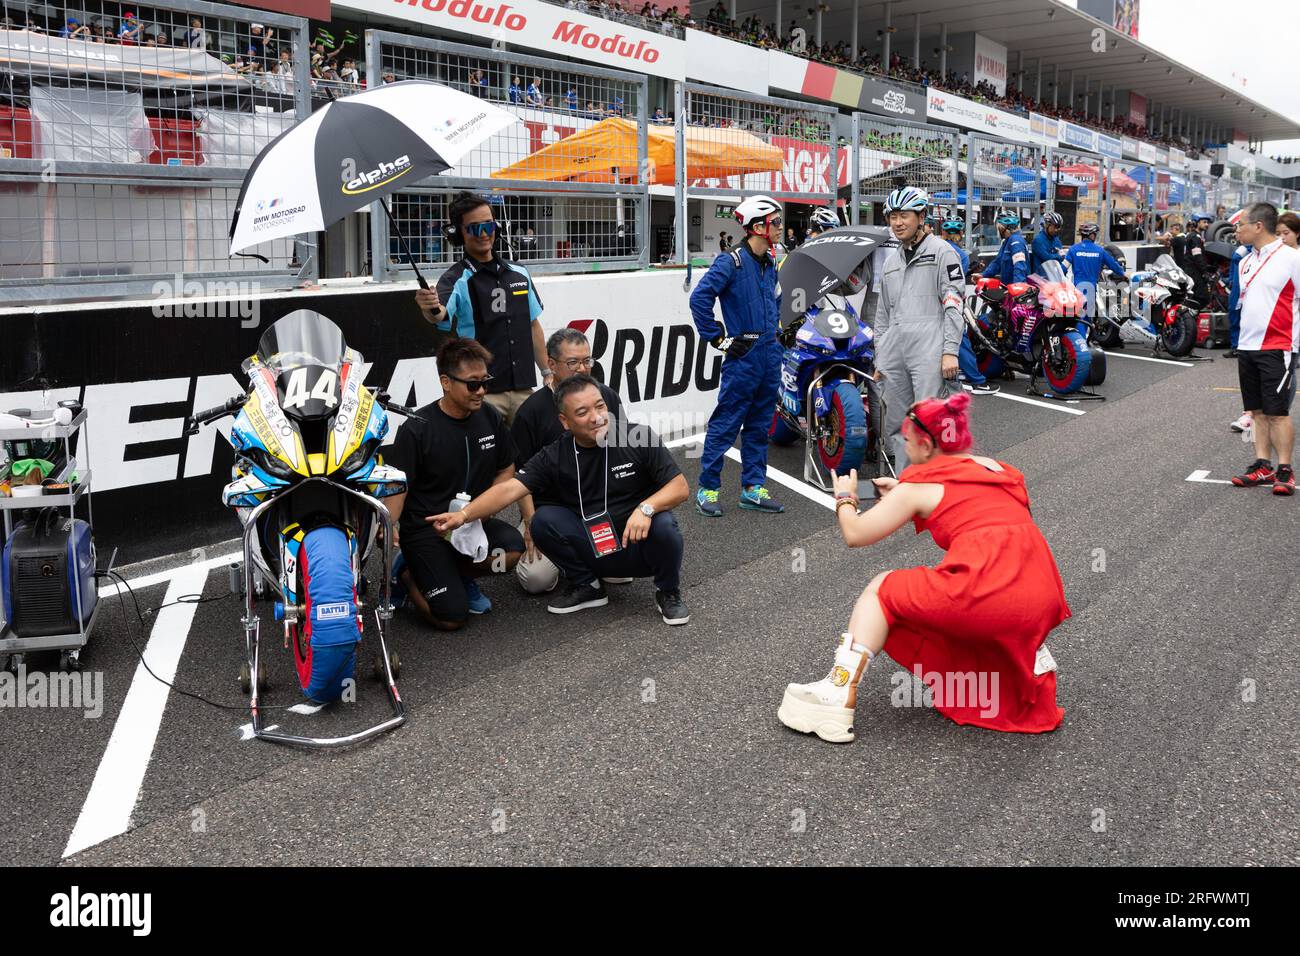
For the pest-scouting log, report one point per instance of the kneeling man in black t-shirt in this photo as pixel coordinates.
(610, 488)
(459, 444)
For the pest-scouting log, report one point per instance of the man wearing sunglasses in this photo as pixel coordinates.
(493, 300)
(459, 444)
(536, 425)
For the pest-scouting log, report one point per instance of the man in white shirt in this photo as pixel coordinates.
(1268, 345)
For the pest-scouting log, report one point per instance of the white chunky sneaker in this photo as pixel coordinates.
(825, 707)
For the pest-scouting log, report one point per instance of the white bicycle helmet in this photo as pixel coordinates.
(1053, 219)
(907, 199)
(824, 219)
(756, 209)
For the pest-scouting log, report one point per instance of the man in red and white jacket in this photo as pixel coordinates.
(1268, 346)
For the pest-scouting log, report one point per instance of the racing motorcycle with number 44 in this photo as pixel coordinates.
(308, 486)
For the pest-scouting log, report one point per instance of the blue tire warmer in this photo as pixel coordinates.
(330, 612)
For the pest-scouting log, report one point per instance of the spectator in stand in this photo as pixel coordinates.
(571, 98)
(33, 26)
(658, 116)
(389, 77)
(195, 37)
(514, 94)
(74, 30)
(284, 74)
(535, 92)
(131, 30)
(478, 84)
(348, 74)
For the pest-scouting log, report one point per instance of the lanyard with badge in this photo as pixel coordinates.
(1248, 278)
(600, 528)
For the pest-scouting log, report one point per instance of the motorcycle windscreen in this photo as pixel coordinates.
(1052, 271)
(1164, 263)
(303, 338)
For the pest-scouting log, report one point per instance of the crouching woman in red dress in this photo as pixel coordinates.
(972, 628)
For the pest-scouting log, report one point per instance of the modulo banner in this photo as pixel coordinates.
(541, 26)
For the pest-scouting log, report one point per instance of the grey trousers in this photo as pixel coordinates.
(911, 357)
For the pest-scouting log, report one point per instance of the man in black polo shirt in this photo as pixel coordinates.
(614, 487)
(536, 425)
(490, 299)
(459, 444)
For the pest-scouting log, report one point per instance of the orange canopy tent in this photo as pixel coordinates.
(607, 152)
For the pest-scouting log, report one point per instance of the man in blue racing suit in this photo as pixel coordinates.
(1047, 243)
(973, 379)
(743, 280)
(1087, 260)
(1011, 264)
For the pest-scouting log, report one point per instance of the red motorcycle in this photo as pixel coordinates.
(1036, 327)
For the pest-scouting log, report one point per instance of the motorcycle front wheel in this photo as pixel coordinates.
(1179, 336)
(780, 432)
(1068, 371)
(1105, 333)
(842, 432)
(325, 638)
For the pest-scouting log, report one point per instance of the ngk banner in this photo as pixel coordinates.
(542, 26)
(805, 169)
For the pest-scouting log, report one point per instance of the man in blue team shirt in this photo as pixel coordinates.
(1047, 244)
(1086, 260)
(1011, 264)
(973, 379)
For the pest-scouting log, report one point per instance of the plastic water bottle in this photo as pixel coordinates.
(457, 504)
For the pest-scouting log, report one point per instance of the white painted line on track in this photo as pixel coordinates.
(797, 485)
(1054, 406)
(1148, 358)
(1201, 476)
(116, 788)
(688, 440)
(160, 577)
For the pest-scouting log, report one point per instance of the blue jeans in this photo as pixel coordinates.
(970, 369)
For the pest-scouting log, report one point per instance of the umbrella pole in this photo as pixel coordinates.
(405, 248)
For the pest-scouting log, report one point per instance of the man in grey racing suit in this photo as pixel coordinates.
(919, 319)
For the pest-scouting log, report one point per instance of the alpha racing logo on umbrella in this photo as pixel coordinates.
(382, 174)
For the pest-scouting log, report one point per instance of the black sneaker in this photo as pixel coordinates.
(672, 607)
(578, 597)
(984, 388)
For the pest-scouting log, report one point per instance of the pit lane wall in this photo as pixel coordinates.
(141, 367)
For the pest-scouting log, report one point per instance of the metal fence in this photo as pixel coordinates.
(732, 144)
(1089, 177)
(559, 200)
(1130, 202)
(1006, 176)
(885, 154)
(124, 140)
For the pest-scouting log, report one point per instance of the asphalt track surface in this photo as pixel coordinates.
(608, 737)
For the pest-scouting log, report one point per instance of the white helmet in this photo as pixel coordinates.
(756, 209)
(824, 219)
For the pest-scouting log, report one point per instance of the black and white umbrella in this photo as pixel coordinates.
(823, 263)
(355, 151)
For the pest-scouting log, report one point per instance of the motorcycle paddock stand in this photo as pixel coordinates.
(1082, 395)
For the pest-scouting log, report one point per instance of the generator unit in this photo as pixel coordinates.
(48, 576)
